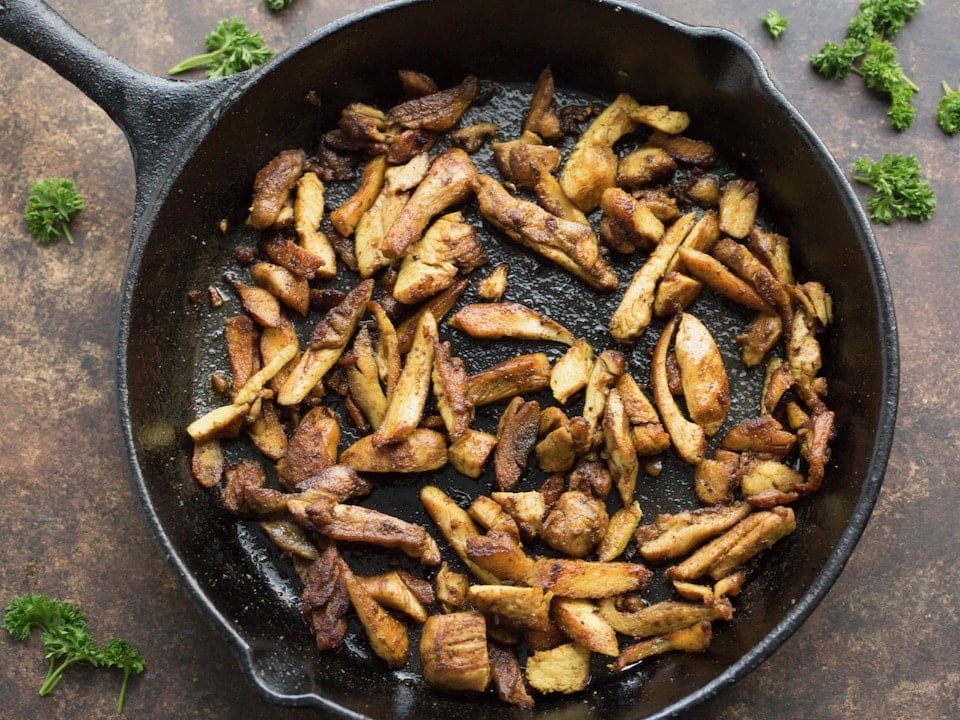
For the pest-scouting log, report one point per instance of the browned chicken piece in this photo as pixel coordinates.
(815, 436)
(645, 166)
(325, 600)
(431, 263)
(518, 375)
(390, 590)
(490, 515)
(438, 306)
(340, 480)
(456, 527)
(745, 264)
(308, 208)
(777, 381)
(589, 580)
(221, 422)
(267, 433)
(365, 126)
(356, 523)
(452, 588)
(694, 639)
(660, 202)
(516, 436)
(298, 259)
(635, 310)
(627, 225)
(363, 380)
(713, 479)
(472, 137)
(702, 236)
(247, 473)
(406, 403)
(572, 245)
(712, 273)
(580, 620)
(416, 83)
(516, 606)
(525, 160)
(649, 435)
(762, 434)
(492, 287)
(374, 224)
(507, 675)
(620, 530)
(706, 388)
(312, 447)
(675, 293)
(259, 304)
(688, 438)
(494, 321)
(758, 338)
(738, 207)
(253, 388)
(662, 618)
(292, 290)
(499, 554)
(387, 636)
(571, 371)
(450, 390)
(618, 443)
(773, 250)
(590, 474)
(526, 508)
(327, 343)
(274, 342)
(563, 669)
(815, 301)
(557, 449)
(729, 586)
(240, 336)
(609, 366)
(470, 452)
(290, 537)
(576, 524)
(439, 111)
(421, 451)
(453, 652)
(542, 117)
(702, 189)
(767, 483)
(672, 536)
(207, 463)
(805, 358)
(273, 185)
(449, 181)
(751, 536)
(345, 217)
(555, 201)
(685, 150)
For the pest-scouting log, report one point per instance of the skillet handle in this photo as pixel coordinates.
(157, 115)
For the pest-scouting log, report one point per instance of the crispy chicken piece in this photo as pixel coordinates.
(516, 436)
(206, 463)
(621, 452)
(749, 537)
(363, 379)
(584, 579)
(472, 137)
(266, 431)
(438, 306)
(702, 189)
(254, 385)
(240, 337)
(777, 381)
(246, 473)
(470, 452)
(260, 304)
(620, 530)
(729, 586)
(493, 321)
(526, 508)
(456, 527)
(507, 675)
(762, 434)
(688, 438)
(815, 300)
(307, 215)
(449, 181)
(499, 554)
(292, 290)
(376, 221)
(713, 479)
(312, 447)
(563, 669)
(627, 225)
(431, 263)
(490, 515)
(390, 590)
(815, 435)
(517, 606)
(439, 111)
(272, 187)
(635, 310)
(556, 451)
(450, 390)
(758, 338)
(387, 636)
(356, 523)
(685, 150)
(275, 341)
(575, 524)
(572, 245)
(298, 259)
(702, 237)
(674, 535)
(330, 337)
(422, 450)
(452, 588)
(346, 217)
(706, 388)
(453, 652)
(571, 371)
(325, 600)
(517, 376)
(738, 207)
(580, 620)
(219, 422)
(542, 117)
(290, 537)
(745, 264)
(712, 273)
(592, 165)
(695, 639)
(649, 435)
(609, 366)
(645, 166)
(492, 287)
(406, 403)
(525, 160)
(662, 618)
(766, 483)
(773, 250)
(804, 356)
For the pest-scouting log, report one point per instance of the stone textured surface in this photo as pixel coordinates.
(882, 645)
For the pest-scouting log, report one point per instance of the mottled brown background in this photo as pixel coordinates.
(885, 642)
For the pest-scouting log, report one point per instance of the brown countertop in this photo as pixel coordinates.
(883, 644)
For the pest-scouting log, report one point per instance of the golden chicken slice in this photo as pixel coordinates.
(450, 390)
(456, 527)
(627, 225)
(312, 447)
(706, 388)
(307, 215)
(621, 452)
(580, 620)
(453, 652)
(712, 273)
(422, 450)
(289, 288)
(518, 375)
(663, 617)
(470, 452)
(345, 217)
(694, 639)
(620, 531)
(388, 636)
(438, 111)
(585, 579)
(738, 207)
(563, 669)
(518, 606)
(494, 321)
(571, 371)
(273, 185)
(516, 436)
(392, 592)
(675, 535)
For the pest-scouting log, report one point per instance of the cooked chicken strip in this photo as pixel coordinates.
(493, 321)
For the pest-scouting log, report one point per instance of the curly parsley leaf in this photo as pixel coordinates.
(900, 190)
(775, 23)
(231, 48)
(948, 110)
(50, 207)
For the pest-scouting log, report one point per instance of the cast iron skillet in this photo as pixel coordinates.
(196, 147)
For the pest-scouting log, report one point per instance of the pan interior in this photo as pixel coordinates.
(173, 343)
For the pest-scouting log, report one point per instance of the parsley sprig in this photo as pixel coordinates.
(900, 190)
(231, 48)
(50, 207)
